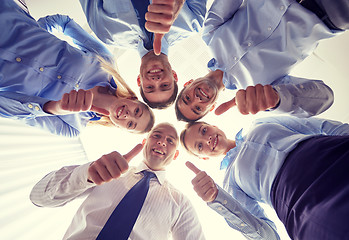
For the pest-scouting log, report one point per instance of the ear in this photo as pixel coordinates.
(213, 106)
(176, 155)
(175, 76)
(204, 158)
(139, 80)
(144, 141)
(189, 82)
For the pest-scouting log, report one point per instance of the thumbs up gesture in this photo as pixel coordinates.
(160, 17)
(111, 166)
(203, 184)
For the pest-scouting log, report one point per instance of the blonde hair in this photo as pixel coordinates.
(122, 91)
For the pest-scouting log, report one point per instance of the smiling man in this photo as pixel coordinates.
(106, 182)
(121, 23)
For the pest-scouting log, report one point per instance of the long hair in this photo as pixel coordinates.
(122, 91)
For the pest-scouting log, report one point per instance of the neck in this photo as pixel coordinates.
(231, 145)
(217, 77)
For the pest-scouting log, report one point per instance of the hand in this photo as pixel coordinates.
(252, 100)
(111, 166)
(203, 184)
(160, 17)
(75, 101)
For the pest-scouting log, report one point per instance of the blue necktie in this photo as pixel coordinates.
(124, 216)
(141, 7)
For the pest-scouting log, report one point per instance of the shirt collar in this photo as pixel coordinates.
(161, 175)
(232, 153)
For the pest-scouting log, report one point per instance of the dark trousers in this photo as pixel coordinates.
(311, 191)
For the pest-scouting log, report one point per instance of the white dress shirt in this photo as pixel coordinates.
(165, 212)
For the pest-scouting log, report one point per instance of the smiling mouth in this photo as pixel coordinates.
(155, 71)
(203, 93)
(120, 111)
(157, 151)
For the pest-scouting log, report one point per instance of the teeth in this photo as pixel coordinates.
(155, 71)
(202, 92)
(120, 111)
(158, 151)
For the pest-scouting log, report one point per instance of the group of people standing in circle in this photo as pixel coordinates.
(296, 163)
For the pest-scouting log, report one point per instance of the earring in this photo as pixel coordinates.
(189, 82)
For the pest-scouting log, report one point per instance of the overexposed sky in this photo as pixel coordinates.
(189, 60)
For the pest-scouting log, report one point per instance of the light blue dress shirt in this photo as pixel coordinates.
(115, 22)
(253, 164)
(36, 67)
(260, 41)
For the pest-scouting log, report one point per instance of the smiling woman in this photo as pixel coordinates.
(58, 87)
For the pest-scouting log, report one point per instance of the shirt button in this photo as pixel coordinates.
(301, 86)
(269, 28)
(36, 108)
(235, 58)
(59, 76)
(225, 202)
(18, 59)
(220, 208)
(249, 44)
(77, 85)
(242, 224)
(282, 8)
(30, 105)
(41, 69)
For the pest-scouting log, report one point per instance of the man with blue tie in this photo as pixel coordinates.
(121, 23)
(109, 184)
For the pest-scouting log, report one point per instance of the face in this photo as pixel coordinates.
(129, 114)
(197, 98)
(157, 78)
(161, 147)
(206, 140)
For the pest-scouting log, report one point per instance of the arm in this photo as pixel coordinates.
(252, 223)
(187, 225)
(81, 38)
(240, 219)
(30, 110)
(62, 186)
(218, 14)
(302, 97)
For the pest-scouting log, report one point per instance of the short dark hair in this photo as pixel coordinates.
(184, 131)
(161, 105)
(179, 114)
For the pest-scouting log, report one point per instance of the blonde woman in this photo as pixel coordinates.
(50, 84)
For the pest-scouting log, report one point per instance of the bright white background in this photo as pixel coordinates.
(27, 154)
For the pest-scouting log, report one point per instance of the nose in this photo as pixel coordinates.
(156, 78)
(126, 114)
(209, 140)
(161, 143)
(198, 97)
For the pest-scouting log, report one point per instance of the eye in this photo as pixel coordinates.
(129, 124)
(149, 87)
(204, 130)
(187, 97)
(165, 85)
(157, 136)
(198, 108)
(170, 141)
(200, 147)
(137, 110)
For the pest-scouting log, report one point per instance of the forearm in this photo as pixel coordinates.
(241, 219)
(62, 186)
(303, 98)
